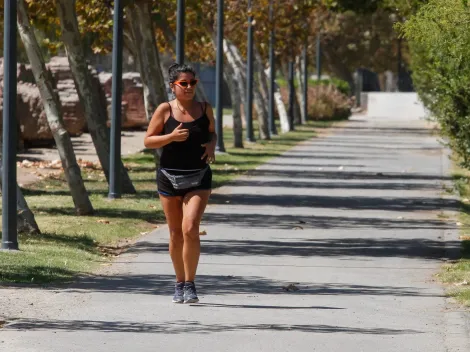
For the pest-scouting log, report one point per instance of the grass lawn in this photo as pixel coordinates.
(72, 245)
(457, 274)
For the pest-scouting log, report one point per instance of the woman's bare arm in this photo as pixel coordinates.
(153, 138)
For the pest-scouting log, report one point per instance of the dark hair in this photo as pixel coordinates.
(176, 69)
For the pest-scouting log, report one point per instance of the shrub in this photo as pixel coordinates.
(325, 102)
(440, 46)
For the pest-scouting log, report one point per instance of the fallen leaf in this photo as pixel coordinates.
(463, 283)
(103, 221)
(203, 233)
(465, 238)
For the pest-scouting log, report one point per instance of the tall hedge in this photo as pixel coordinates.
(439, 38)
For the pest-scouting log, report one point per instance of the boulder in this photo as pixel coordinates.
(133, 105)
(33, 120)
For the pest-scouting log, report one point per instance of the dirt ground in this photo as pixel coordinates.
(34, 162)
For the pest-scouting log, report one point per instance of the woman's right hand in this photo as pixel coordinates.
(179, 134)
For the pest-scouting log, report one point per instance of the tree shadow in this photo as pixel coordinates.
(347, 175)
(191, 327)
(421, 186)
(150, 216)
(33, 274)
(295, 154)
(405, 204)
(322, 247)
(389, 130)
(293, 221)
(220, 285)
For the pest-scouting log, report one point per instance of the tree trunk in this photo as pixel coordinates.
(260, 104)
(297, 109)
(231, 78)
(88, 93)
(25, 221)
(235, 60)
(299, 72)
(281, 110)
(52, 108)
(148, 59)
(261, 89)
(297, 118)
(234, 78)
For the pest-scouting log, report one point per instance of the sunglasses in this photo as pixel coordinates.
(186, 84)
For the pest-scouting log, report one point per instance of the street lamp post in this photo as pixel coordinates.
(305, 78)
(318, 52)
(116, 107)
(249, 80)
(272, 71)
(219, 76)
(291, 94)
(9, 197)
(180, 31)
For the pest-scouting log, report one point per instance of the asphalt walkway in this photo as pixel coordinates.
(331, 247)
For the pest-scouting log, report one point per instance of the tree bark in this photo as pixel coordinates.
(232, 75)
(297, 118)
(235, 60)
(299, 72)
(281, 110)
(88, 93)
(140, 22)
(25, 220)
(260, 104)
(261, 89)
(52, 107)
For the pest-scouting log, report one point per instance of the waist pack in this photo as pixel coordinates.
(184, 181)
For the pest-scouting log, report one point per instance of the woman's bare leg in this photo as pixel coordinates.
(194, 204)
(173, 208)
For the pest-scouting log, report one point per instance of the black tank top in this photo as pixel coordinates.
(186, 155)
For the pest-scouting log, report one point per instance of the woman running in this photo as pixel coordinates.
(185, 131)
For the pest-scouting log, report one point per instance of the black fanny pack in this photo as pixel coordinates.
(184, 181)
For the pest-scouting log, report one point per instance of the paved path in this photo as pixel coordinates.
(350, 220)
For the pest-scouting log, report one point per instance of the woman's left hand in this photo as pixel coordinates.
(210, 152)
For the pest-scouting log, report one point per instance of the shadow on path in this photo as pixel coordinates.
(191, 327)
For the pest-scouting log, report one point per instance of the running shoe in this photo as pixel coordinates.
(179, 293)
(190, 295)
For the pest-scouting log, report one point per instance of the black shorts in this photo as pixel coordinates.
(165, 187)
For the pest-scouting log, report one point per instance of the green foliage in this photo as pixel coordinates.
(440, 44)
(342, 86)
